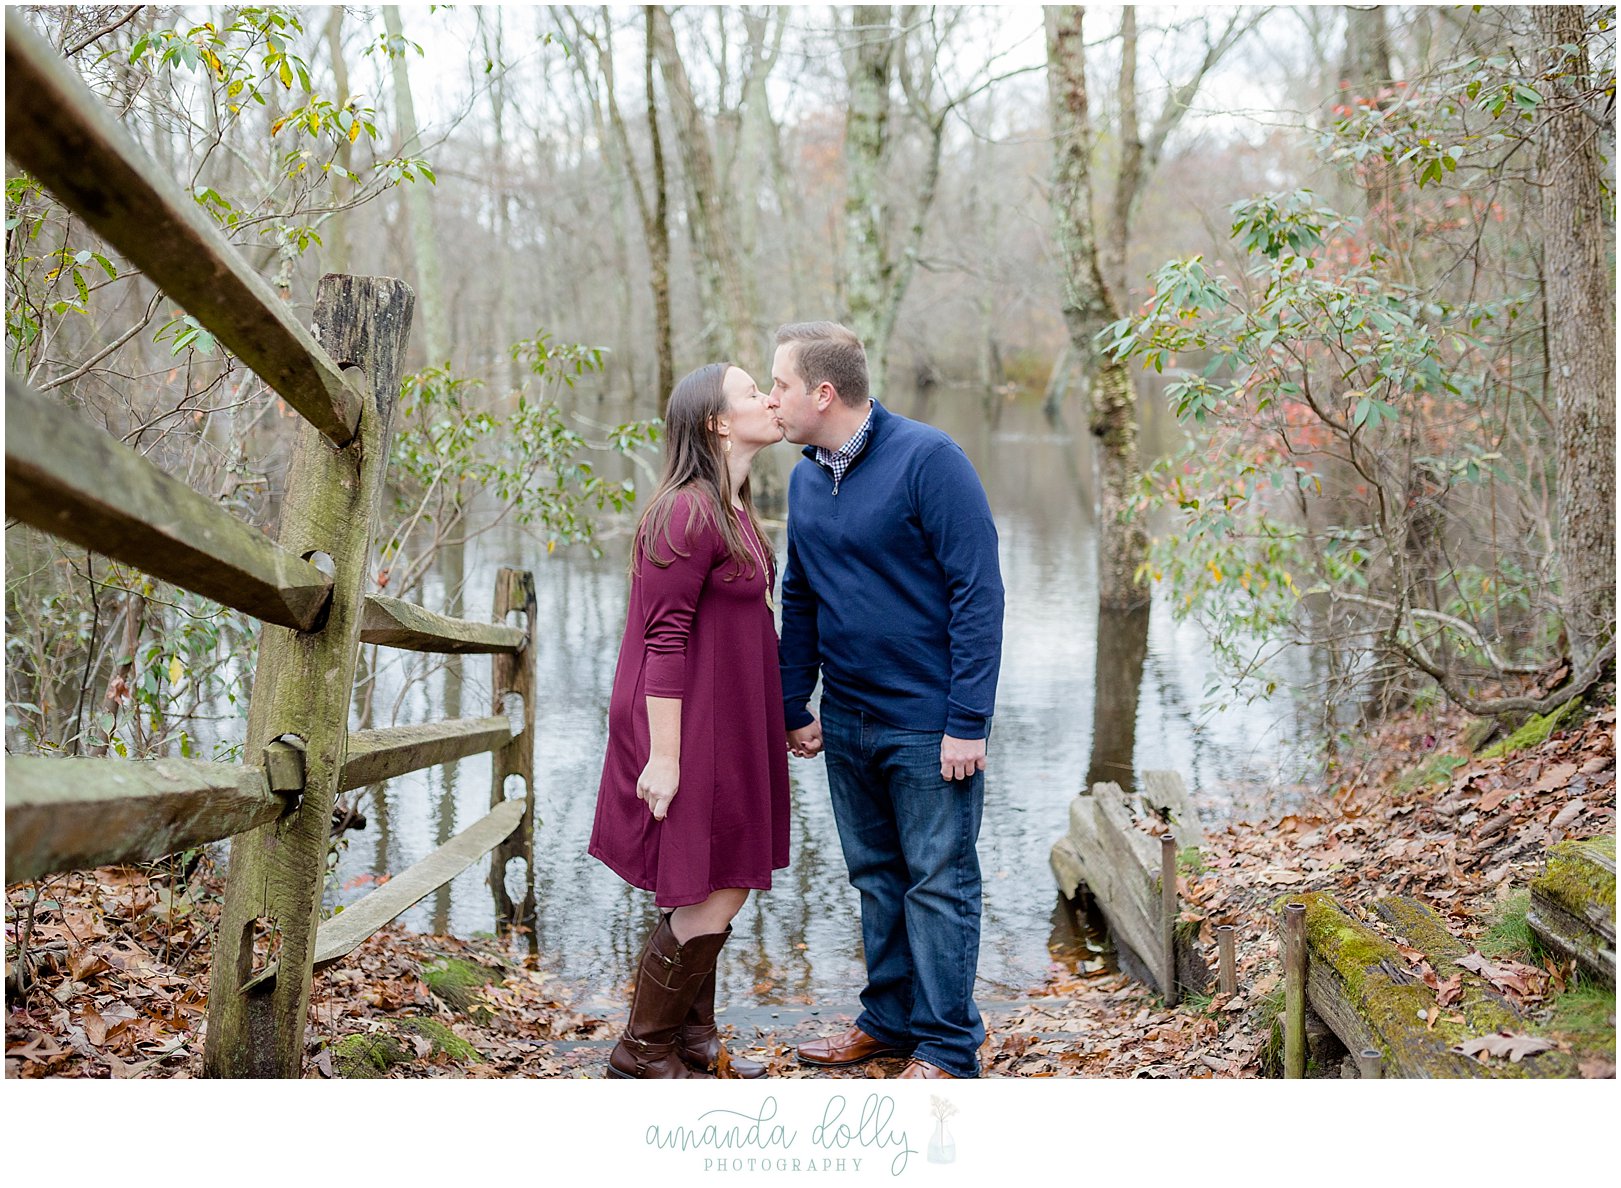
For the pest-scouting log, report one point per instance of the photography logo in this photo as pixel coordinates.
(942, 1146)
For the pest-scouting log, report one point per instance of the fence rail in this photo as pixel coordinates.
(62, 134)
(397, 624)
(66, 814)
(75, 481)
(378, 755)
(68, 478)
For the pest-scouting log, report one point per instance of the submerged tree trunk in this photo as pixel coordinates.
(1580, 320)
(1116, 682)
(1122, 547)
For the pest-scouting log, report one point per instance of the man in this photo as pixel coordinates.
(893, 592)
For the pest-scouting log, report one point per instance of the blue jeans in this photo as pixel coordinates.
(908, 839)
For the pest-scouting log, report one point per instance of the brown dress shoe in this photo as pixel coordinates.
(849, 1047)
(923, 1070)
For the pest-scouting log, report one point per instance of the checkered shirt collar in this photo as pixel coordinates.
(839, 460)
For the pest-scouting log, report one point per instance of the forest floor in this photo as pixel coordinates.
(117, 958)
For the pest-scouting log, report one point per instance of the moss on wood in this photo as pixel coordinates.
(1534, 731)
(1371, 979)
(1580, 874)
(1573, 904)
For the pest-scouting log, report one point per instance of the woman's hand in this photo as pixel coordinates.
(658, 783)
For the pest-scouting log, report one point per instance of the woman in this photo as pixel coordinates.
(693, 804)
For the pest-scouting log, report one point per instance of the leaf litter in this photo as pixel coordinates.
(112, 980)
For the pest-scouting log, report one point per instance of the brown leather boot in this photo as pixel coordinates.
(668, 977)
(699, 1041)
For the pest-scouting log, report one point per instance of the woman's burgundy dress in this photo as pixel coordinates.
(700, 630)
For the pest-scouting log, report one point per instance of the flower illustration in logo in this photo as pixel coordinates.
(942, 1147)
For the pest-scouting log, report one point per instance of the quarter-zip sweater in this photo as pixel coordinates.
(892, 587)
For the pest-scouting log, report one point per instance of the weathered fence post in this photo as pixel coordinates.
(514, 673)
(1167, 915)
(259, 995)
(1294, 990)
(1227, 958)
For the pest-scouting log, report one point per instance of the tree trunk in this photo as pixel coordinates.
(1122, 547)
(729, 321)
(658, 233)
(500, 323)
(869, 67)
(425, 245)
(1129, 174)
(1580, 321)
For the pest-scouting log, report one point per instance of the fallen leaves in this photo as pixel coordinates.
(1505, 1044)
(119, 956)
(1519, 981)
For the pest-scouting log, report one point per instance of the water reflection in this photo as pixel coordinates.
(1068, 708)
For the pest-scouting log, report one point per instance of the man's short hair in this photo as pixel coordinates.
(826, 352)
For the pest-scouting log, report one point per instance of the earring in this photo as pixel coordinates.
(728, 446)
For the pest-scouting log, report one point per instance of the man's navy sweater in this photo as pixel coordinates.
(892, 587)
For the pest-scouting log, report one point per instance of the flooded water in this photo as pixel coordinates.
(800, 942)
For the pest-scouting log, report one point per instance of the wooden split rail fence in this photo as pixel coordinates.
(78, 483)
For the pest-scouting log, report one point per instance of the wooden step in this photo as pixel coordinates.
(1363, 988)
(1573, 904)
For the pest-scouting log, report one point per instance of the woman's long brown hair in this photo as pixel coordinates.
(694, 460)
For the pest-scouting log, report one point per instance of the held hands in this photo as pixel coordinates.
(657, 784)
(806, 742)
(961, 757)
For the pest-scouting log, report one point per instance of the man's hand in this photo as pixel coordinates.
(806, 742)
(961, 757)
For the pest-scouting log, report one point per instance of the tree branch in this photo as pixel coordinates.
(101, 32)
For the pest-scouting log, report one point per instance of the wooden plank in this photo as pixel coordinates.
(395, 623)
(66, 477)
(1165, 793)
(1117, 828)
(58, 131)
(1128, 894)
(377, 755)
(1361, 986)
(76, 813)
(303, 685)
(512, 681)
(343, 932)
(1573, 903)
(1121, 889)
(1570, 936)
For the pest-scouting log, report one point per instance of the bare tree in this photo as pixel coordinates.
(435, 319)
(730, 325)
(1122, 546)
(1578, 296)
